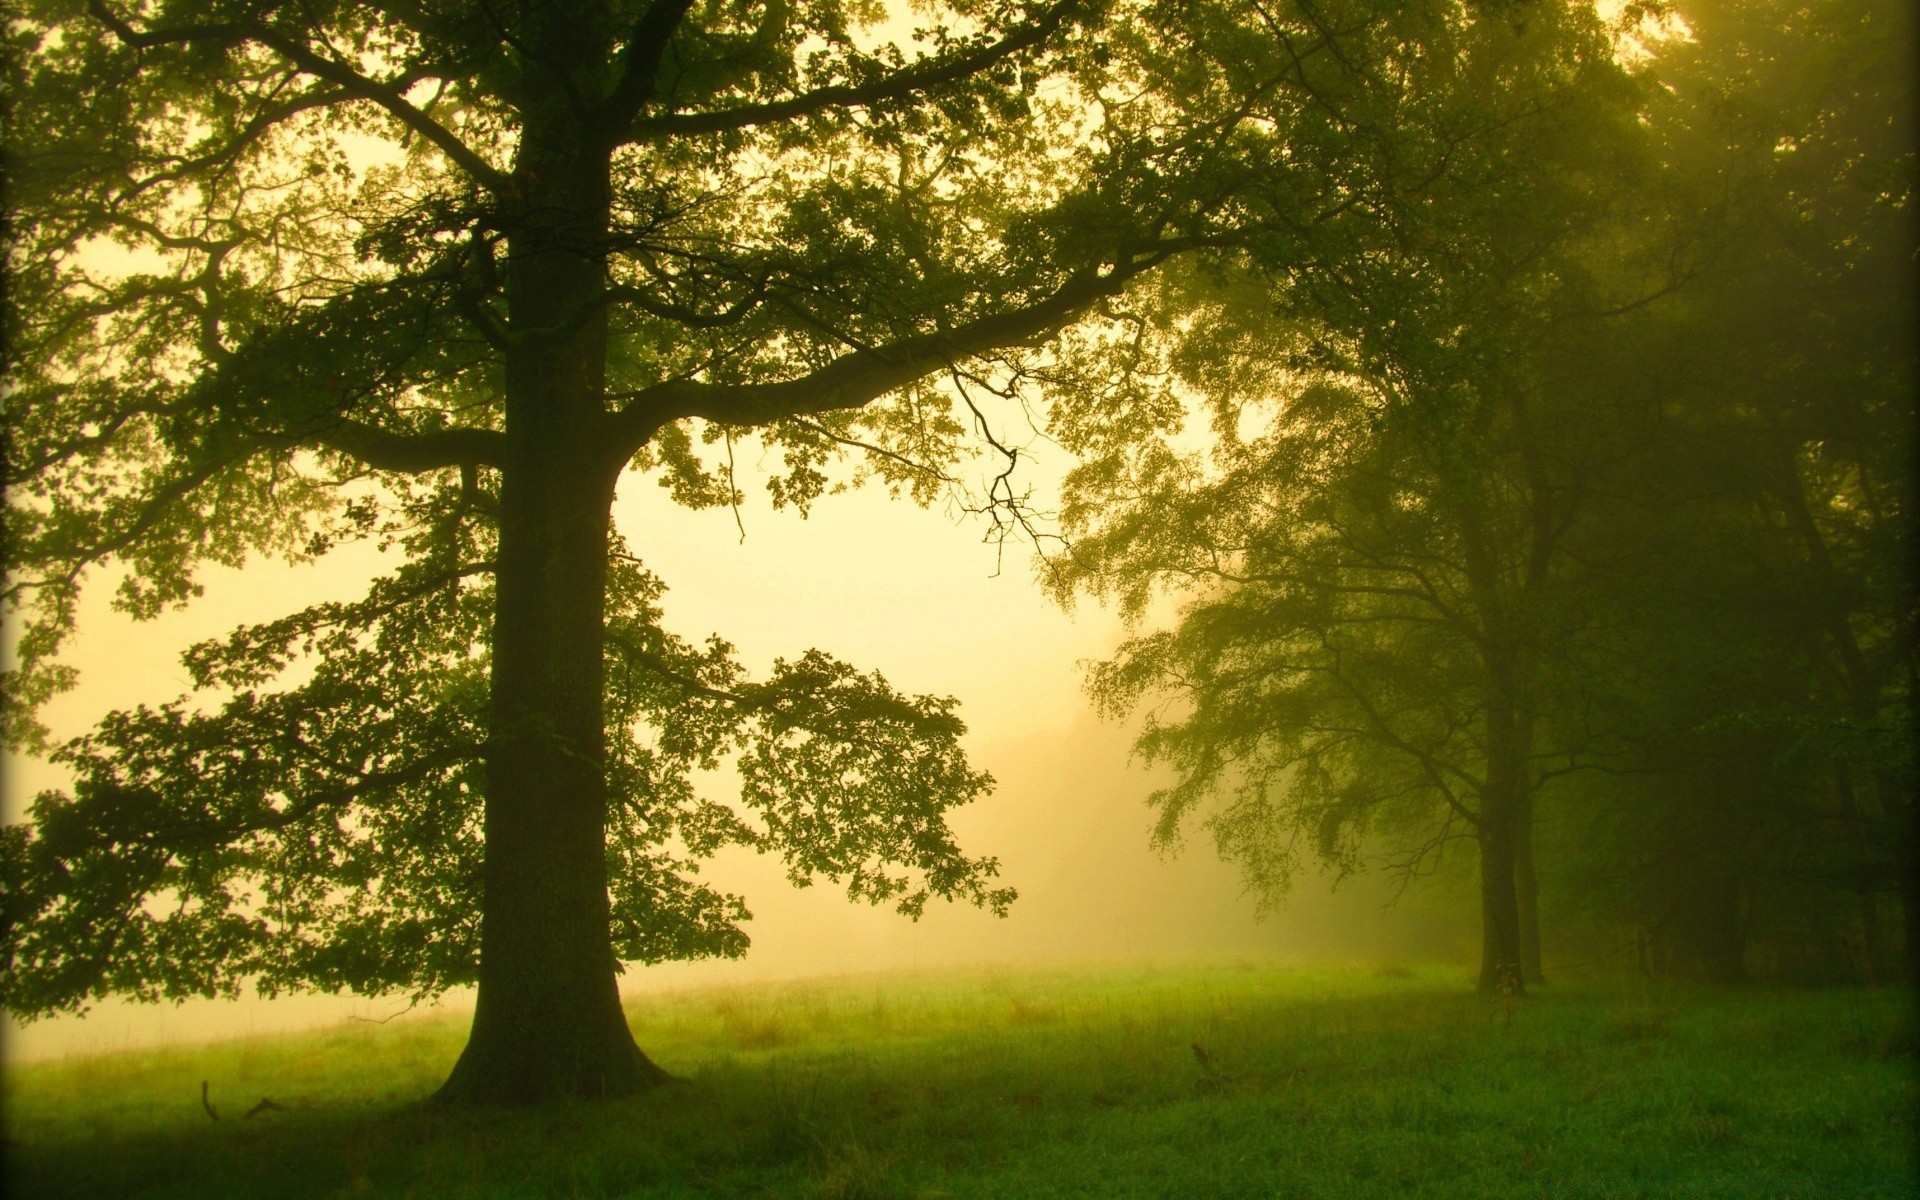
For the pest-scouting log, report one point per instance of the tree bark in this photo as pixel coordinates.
(1500, 969)
(548, 1021)
(1502, 805)
(1503, 798)
(1527, 896)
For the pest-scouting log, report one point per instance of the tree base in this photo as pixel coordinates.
(1502, 979)
(497, 1070)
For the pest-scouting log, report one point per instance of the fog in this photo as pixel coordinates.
(885, 585)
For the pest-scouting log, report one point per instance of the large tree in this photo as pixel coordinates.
(1368, 463)
(440, 273)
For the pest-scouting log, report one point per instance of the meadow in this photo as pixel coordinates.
(1224, 1080)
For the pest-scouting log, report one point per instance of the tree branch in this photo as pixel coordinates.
(351, 81)
(184, 834)
(927, 73)
(853, 443)
(179, 35)
(303, 56)
(1382, 732)
(859, 377)
(414, 453)
(153, 510)
(641, 69)
(643, 300)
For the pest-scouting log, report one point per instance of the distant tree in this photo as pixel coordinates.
(1763, 570)
(1819, 279)
(1400, 429)
(441, 275)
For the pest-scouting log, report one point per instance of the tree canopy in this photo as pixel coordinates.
(1366, 465)
(1574, 469)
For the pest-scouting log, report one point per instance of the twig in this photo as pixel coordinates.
(206, 1103)
(733, 491)
(411, 1005)
(266, 1105)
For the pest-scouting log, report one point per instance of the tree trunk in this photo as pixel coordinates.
(1910, 920)
(1720, 933)
(1501, 806)
(1897, 802)
(1527, 895)
(548, 1021)
(1863, 688)
(1866, 883)
(1509, 767)
(1500, 970)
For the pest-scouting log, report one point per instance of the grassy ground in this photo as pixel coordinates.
(1041, 1084)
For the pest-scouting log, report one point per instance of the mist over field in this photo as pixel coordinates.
(913, 592)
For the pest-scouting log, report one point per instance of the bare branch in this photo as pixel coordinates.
(414, 453)
(852, 443)
(861, 376)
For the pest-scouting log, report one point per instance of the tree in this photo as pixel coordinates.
(440, 273)
(1761, 574)
(1817, 111)
(1400, 439)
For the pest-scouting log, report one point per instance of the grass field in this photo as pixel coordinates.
(1087, 1082)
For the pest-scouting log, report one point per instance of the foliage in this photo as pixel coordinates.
(436, 276)
(1567, 467)
(1365, 463)
(179, 867)
(1759, 668)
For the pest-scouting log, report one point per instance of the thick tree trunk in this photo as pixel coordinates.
(1527, 895)
(1500, 969)
(1503, 805)
(548, 1022)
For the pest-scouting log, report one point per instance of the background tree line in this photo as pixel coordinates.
(1559, 504)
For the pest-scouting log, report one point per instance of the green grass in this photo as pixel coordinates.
(1046, 1083)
